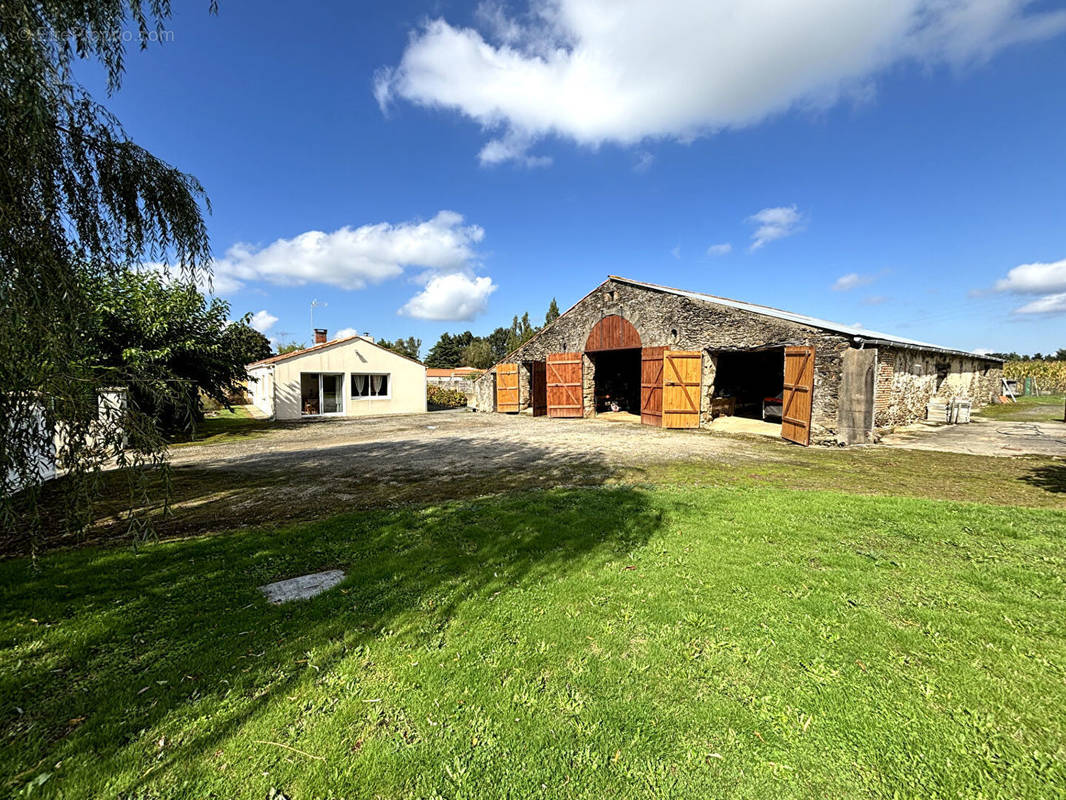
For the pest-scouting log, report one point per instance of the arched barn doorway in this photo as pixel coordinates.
(613, 348)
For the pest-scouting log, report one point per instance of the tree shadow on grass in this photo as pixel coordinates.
(1050, 478)
(106, 649)
(276, 487)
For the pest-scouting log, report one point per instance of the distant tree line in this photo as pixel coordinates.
(1059, 355)
(467, 350)
(410, 347)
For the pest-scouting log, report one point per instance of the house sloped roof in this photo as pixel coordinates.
(452, 372)
(297, 353)
(873, 337)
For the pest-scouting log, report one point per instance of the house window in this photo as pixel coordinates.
(370, 385)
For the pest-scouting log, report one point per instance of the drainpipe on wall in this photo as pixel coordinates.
(273, 395)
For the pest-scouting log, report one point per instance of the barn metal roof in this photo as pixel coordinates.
(872, 337)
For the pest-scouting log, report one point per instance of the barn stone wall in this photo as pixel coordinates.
(908, 379)
(681, 323)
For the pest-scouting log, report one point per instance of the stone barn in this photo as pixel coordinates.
(678, 358)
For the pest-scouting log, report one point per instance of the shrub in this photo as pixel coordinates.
(445, 398)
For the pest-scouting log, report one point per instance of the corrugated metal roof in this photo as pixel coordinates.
(802, 319)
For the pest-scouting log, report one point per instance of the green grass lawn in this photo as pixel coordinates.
(1028, 409)
(226, 425)
(601, 642)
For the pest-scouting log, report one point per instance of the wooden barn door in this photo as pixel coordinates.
(538, 389)
(797, 399)
(507, 388)
(565, 393)
(651, 386)
(682, 370)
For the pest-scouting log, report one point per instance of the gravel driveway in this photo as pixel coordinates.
(984, 438)
(309, 469)
(451, 441)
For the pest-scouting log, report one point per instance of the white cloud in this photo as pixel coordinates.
(1047, 279)
(596, 71)
(512, 147)
(1049, 304)
(852, 280)
(644, 161)
(774, 223)
(982, 351)
(263, 321)
(675, 251)
(344, 333)
(720, 249)
(1035, 278)
(876, 300)
(352, 258)
(455, 296)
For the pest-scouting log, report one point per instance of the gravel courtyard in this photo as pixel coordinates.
(291, 472)
(458, 442)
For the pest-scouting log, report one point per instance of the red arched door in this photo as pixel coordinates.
(612, 333)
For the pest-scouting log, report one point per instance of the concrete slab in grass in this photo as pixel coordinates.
(303, 587)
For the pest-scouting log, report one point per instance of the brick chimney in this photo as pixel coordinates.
(320, 336)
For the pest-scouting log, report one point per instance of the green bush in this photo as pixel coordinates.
(445, 398)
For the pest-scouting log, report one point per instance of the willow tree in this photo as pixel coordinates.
(79, 202)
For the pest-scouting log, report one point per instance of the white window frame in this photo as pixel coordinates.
(321, 392)
(369, 375)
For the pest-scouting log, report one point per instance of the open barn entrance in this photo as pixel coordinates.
(613, 348)
(750, 384)
(616, 382)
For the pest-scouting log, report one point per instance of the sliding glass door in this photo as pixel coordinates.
(332, 403)
(321, 393)
(309, 404)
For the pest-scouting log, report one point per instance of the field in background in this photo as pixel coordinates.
(1050, 376)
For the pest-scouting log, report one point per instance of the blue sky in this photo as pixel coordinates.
(893, 165)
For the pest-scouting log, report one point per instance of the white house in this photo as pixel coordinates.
(349, 377)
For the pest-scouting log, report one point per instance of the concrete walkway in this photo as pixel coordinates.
(984, 438)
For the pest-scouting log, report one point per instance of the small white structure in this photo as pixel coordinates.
(350, 377)
(30, 423)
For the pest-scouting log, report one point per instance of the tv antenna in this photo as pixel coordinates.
(315, 304)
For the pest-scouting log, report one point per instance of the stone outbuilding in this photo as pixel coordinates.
(348, 377)
(679, 358)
